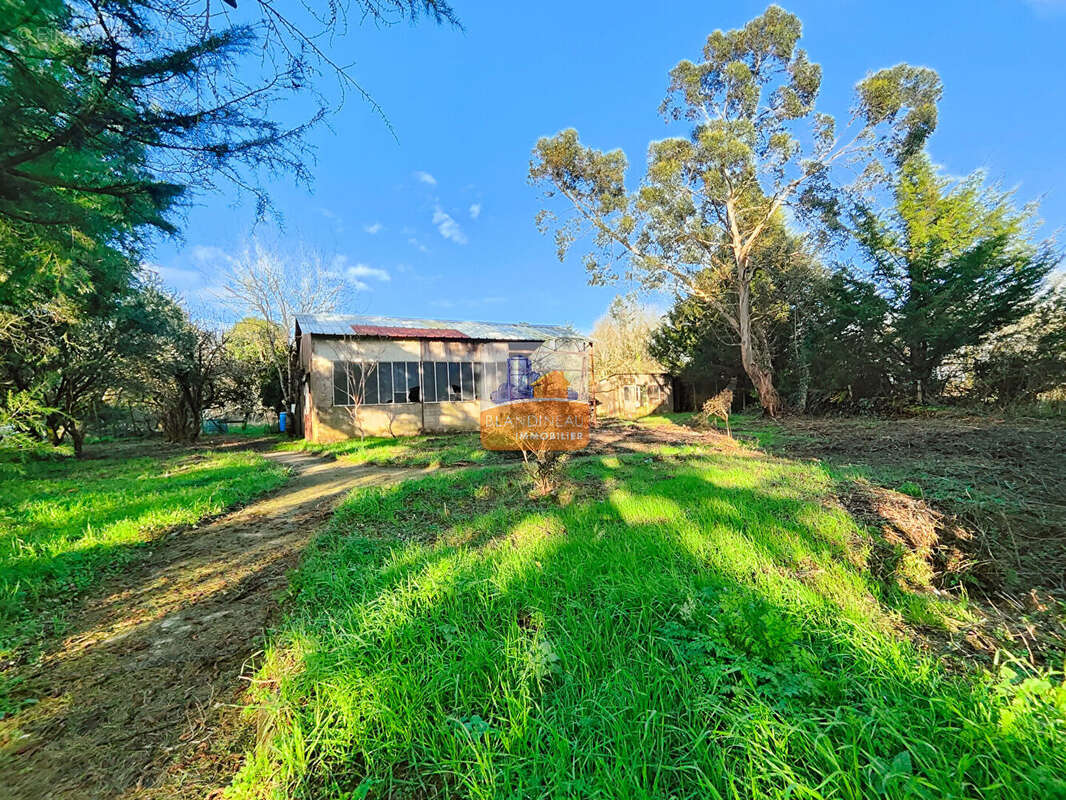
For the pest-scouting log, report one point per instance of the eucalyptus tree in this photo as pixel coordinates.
(697, 343)
(757, 144)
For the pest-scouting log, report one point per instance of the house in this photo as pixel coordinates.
(399, 376)
(634, 394)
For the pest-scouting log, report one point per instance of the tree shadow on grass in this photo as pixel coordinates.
(152, 661)
(668, 639)
(69, 532)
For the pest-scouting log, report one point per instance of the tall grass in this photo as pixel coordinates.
(675, 627)
(65, 523)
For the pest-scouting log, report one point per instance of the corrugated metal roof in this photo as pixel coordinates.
(342, 325)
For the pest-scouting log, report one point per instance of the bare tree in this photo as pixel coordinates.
(756, 146)
(621, 338)
(275, 287)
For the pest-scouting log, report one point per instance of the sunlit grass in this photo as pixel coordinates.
(666, 419)
(66, 523)
(409, 451)
(686, 627)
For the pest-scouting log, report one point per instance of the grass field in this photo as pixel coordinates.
(66, 523)
(704, 626)
(408, 451)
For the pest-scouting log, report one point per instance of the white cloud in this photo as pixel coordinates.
(374, 228)
(364, 271)
(210, 256)
(475, 210)
(425, 177)
(417, 245)
(448, 227)
(354, 273)
(176, 277)
(334, 218)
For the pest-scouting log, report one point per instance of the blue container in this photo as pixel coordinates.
(282, 419)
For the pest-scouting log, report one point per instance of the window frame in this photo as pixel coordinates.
(470, 376)
(440, 367)
(477, 380)
(342, 364)
(455, 378)
(346, 366)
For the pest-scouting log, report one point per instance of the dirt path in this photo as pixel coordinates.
(140, 699)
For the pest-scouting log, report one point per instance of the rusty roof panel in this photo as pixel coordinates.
(394, 332)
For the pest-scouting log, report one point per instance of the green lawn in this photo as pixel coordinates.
(407, 451)
(65, 523)
(674, 626)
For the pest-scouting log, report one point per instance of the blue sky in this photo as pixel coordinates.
(441, 222)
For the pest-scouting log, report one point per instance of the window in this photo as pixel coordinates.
(370, 385)
(384, 371)
(386, 382)
(501, 375)
(479, 381)
(346, 377)
(488, 378)
(456, 381)
(440, 368)
(631, 396)
(414, 382)
(466, 372)
(356, 383)
(399, 381)
(429, 382)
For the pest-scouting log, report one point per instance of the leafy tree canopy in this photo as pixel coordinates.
(949, 264)
(113, 109)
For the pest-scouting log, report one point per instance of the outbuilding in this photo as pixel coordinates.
(397, 376)
(634, 394)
